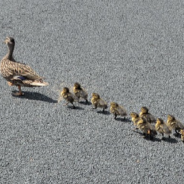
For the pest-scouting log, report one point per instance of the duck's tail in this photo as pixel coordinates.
(39, 84)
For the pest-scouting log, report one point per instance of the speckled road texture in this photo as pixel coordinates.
(128, 51)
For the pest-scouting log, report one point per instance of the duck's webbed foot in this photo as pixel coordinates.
(18, 94)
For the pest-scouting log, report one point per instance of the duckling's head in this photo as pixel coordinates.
(77, 85)
(170, 118)
(144, 110)
(9, 41)
(65, 91)
(134, 115)
(95, 95)
(159, 121)
(114, 104)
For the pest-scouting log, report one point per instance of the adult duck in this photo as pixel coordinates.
(18, 74)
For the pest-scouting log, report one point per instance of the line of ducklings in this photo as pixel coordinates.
(144, 121)
(20, 74)
(149, 125)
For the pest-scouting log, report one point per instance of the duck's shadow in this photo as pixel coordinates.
(170, 140)
(35, 96)
(76, 108)
(166, 139)
(154, 139)
(177, 135)
(85, 103)
(123, 120)
(104, 112)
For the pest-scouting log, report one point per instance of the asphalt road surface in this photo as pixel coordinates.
(128, 51)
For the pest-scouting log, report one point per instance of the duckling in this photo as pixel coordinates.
(149, 117)
(135, 118)
(80, 92)
(98, 102)
(162, 128)
(68, 96)
(18, 74)
(174, 124)
(182, 135)
(117, 110)
(146, 128)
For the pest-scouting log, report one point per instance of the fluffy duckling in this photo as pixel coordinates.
(135, 118)
(98, 102)
(162, 128)
(68, 96)
(117, 110)
(18, 74)
(182, 135)
(146, 128)
(174, 124)
(145, 114)
(80, 92)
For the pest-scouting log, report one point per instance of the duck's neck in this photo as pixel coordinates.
(9, 55)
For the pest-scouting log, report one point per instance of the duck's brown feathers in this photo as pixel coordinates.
(16, 73)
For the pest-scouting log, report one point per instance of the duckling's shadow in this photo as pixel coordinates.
(104, 112)
(170, 140)
(123, 120)
(76, 108)
(35, 96)
(85, 103)
(177, 135)
(153, 139)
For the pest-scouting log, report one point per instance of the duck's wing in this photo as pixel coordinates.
(150, 118)
(83, 93)
(75, 98)
(122, 110)
(166, 129)
(20, 69)
(102, 102)
(180, 125)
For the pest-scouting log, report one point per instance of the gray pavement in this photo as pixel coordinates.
(130, 52)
